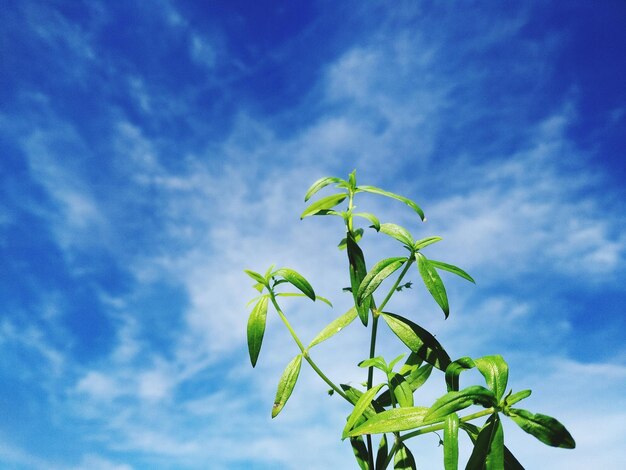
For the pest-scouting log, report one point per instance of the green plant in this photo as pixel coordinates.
(388, 408)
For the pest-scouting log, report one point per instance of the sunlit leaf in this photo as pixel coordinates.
(395, 361)
(377, 362)
(297, 280)
(286, 384)
(399, 233)
(256, 329)
(295, 294)
(517, 397)
(408, 202)
(404, 460)
(496, 373)
(451, 442)
(418, 245)
(452, 402)
(411, 364)
(454, 370)
(393, 420)
(371, 217)
(433, 282)
(325, 203)
(381, 271)
(319, 184)
(352, 180)
(415, 379)
(451, 268)
(334, 327)
(418, 340)
(401, 390)
(256, 276)
(359, 408)
(545, 428)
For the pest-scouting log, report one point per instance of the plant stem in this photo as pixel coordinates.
(397, 283)
(304, 351)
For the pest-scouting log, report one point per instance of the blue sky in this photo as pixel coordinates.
(150, 151)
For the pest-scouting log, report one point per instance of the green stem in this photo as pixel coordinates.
(397, 283)
(433, 428)
(304, 351)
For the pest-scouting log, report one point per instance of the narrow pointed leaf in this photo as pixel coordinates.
(415, 379)
(295, 294)
(359, 408)
(402, 391)
(411, 364)
(510, 462)
(433, 282)
(451, 442)
(360, 452)
(358, 234)
(517, 397)
(496, 373)
(453, 269)
(352, 180)
(256, 329)
(334, 327)
(393, 420)
(296, 280)
(354, 394)
(381, 271)
(371, 217)
(358, 271)
(404, 460)
(286, 384)
(408, 202)
(393, 363)
(418, 245)
(452, 402)
(383, 452)
(545, 428)
(377, 362)
(454, 370)
(399, 233)
(256, 276)
(319, 184)
(323, 204)
(488, 452)
(418, 340)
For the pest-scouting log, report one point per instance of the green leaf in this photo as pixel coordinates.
(401, 390)
(381, 271)
(352, 180)
(418, 340)
(294, 294)
(319, 184)
(496, 373)
(256, 276)
(286, 384)
(399, 233)
(488, 453)
(371, 217)
(408, 202)
(433, 282)
(452, 402)
(454, 370)
(415, 379)
(411, 364)
(404, 460)
(360, 452)
(418, 245)
(383, 452)
(323, 204)
(545, 428)
(377, 362)
(510, 462)
(517, 397)
(358, 234)
(297, 280)
(359, 408)
(393, 420)
(358, 271)
(395, 361)
(451, 442)
(334, 327)
(452, 269)
(256, 328)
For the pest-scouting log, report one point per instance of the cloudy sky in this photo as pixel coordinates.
(152, 150)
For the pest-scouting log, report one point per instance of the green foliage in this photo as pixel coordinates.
(389, 408)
